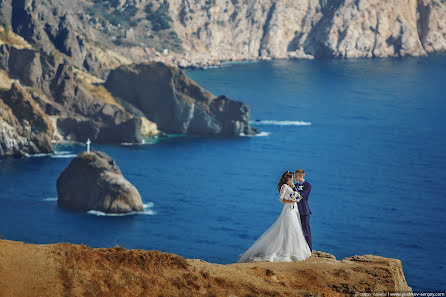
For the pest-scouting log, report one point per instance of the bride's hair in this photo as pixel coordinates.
(284, 179)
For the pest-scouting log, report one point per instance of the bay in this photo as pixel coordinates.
(369, 134)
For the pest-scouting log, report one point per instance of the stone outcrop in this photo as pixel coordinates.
(24, 127)
(93, 181)
(168, 97)
(78, 270)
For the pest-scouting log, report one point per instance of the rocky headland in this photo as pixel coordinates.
(93, 181)
(46, 100)
(76, 270)
(72, 62)
(167, 96)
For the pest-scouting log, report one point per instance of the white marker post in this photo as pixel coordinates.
(88, 145)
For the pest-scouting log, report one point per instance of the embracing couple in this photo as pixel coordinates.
(289, 237)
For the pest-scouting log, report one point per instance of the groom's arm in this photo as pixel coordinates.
(305, 193)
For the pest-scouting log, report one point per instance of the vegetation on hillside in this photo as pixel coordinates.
(129, 25)
(159, 18)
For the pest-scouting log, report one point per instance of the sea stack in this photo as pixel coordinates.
(93, 181)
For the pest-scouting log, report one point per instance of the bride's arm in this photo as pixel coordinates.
(283, 193)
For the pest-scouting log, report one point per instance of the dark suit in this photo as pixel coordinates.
(305, 211)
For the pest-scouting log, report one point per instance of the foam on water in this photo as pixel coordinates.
(144, 141)
(50, 199)
(57, 154)
(146, 211)
(260, 134)
(37, 155)
(63, 154)
(279, 123)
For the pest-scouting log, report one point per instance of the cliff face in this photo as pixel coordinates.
(77, 105)
(99, 35)
(79, 108)
(24, 128)
(167, 96)
(60, 28)
(64, 269)
(67, 48)
(311, 28)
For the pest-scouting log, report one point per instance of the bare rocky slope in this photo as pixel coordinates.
(310, 28)
(75, 270)
(25, 128)
(99, 35)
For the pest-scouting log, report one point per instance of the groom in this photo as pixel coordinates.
(304, 188)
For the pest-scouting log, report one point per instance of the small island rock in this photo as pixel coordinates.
(93, 181)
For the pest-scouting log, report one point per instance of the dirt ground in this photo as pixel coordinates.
(75, 270)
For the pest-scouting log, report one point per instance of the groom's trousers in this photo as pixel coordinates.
(305, 221)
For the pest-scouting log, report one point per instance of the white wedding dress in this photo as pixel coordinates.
(283, 241)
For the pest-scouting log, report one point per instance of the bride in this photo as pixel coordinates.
(284, 240)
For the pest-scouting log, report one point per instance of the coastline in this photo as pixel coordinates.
(220, 63)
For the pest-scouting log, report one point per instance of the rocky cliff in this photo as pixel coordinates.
(61, 52)
(75, 270)
(176, 103)
(99, 35)
(24, 127)
(60, 28)
(225, 30)
(77, 105)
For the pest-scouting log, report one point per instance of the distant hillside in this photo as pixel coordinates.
(97, 35)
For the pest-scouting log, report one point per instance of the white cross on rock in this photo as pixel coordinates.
(88, 145)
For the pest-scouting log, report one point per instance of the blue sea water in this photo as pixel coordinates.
(369, 133)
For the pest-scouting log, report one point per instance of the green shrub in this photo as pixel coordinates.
(173, 35)
(160, 18)
(6, 29)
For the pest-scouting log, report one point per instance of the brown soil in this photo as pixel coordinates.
(75, 270)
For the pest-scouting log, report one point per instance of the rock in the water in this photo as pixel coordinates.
(172, 100)
(93, 181)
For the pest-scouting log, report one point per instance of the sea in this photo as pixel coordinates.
(369, 133)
